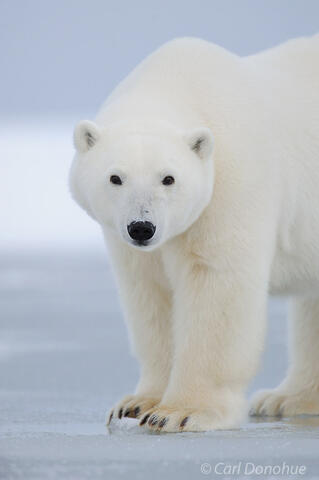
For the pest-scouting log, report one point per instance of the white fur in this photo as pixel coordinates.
(241, 219)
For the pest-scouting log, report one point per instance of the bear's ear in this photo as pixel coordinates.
(86, 134)
(201, 141)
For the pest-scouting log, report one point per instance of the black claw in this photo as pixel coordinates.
(127, 412)
(163, 422)
(183, 422)
(153, 420)
(110, 418)
(120, 412)
(137, 411)
(144, 420)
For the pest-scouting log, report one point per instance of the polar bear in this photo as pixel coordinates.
(202, 170)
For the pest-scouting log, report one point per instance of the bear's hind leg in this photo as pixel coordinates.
(299, 393)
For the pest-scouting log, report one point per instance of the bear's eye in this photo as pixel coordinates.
(169, 180)
(115, 179)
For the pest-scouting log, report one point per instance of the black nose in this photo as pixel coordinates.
(141, 231)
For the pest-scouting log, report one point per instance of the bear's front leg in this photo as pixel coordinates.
(218, 335)
(146, 301)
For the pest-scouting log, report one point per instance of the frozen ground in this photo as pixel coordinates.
(64, 361)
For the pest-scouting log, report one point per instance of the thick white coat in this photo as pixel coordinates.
(241, 220)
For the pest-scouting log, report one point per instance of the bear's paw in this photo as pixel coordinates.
(281, 403)
(163, 418)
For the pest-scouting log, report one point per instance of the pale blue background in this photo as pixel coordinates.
(64, 56)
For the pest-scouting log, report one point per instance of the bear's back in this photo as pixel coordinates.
(298, 57)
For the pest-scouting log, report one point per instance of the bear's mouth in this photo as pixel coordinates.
(143, 243)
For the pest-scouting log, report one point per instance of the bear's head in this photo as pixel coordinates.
(148, 184)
